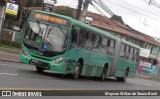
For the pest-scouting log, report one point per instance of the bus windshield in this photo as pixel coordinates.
(46, 37)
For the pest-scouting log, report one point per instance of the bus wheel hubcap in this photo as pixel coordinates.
(77, 71)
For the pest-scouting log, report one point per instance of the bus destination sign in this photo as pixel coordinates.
(49, 18)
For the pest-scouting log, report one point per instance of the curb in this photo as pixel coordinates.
(142, 76)
(9, 61)
(149, 78)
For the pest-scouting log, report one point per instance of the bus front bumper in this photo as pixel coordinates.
(49, 65)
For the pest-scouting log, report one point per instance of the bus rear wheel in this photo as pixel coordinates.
(39, 69)
(77, 71)
(123, 79)
(103, 75)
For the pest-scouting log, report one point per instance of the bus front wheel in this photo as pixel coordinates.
(39, 69)
(77, 71)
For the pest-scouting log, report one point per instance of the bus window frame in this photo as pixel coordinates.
(103, 47)
(97, 47)
(131, 53)
(73, 43)
(111, 49)
(122, 50)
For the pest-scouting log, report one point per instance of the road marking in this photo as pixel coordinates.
(8, 74)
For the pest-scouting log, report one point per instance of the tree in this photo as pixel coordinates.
(65, 11)
(31, 3)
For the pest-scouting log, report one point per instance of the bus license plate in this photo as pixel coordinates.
(35, 61)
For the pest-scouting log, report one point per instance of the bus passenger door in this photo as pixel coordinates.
(96, 60)
(72, 49)
(84, 49)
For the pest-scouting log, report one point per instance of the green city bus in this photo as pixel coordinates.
(62, 44)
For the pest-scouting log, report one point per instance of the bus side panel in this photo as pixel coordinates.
(133, 70)
(122, 66)
(85, 55)
(96, 64)
(98, 60)
(71, 62)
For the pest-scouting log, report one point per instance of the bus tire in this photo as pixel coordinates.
(123, 79)
(77, 71)
(104, 72)
(39, 69)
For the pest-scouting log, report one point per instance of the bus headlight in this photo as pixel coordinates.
(25, 52)
(59, 60)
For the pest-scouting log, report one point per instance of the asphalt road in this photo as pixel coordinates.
(15, 75)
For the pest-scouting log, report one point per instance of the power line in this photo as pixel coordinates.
(107, 12)
(124, 2)
(116, 25)
(71, 3)
(104, 7)
(133, 11)
(97, 9)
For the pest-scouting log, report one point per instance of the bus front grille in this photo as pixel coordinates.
(43, 64)
(40, 63)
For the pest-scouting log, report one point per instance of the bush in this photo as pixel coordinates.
(5, 41)
(16, 44)
(11, 43)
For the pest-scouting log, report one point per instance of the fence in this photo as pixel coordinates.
(9, 35)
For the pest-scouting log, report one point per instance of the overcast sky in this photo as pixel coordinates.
(136, 13)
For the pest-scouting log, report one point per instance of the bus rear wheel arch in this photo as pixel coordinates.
(104, 72)
(123, 79)
(78, 69)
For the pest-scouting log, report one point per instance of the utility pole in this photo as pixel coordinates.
(85, 8)
(2, 17)
(79, 9)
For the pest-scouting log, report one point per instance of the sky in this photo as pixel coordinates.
(135, 13)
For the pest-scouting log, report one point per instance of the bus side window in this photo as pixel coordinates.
(122, 50)
(89, 40)
(74, 35)
(135, 55)
(111, 45)
(126, 51)
(104, 45)
(82, 38)
(96, 42)
(131, 53)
